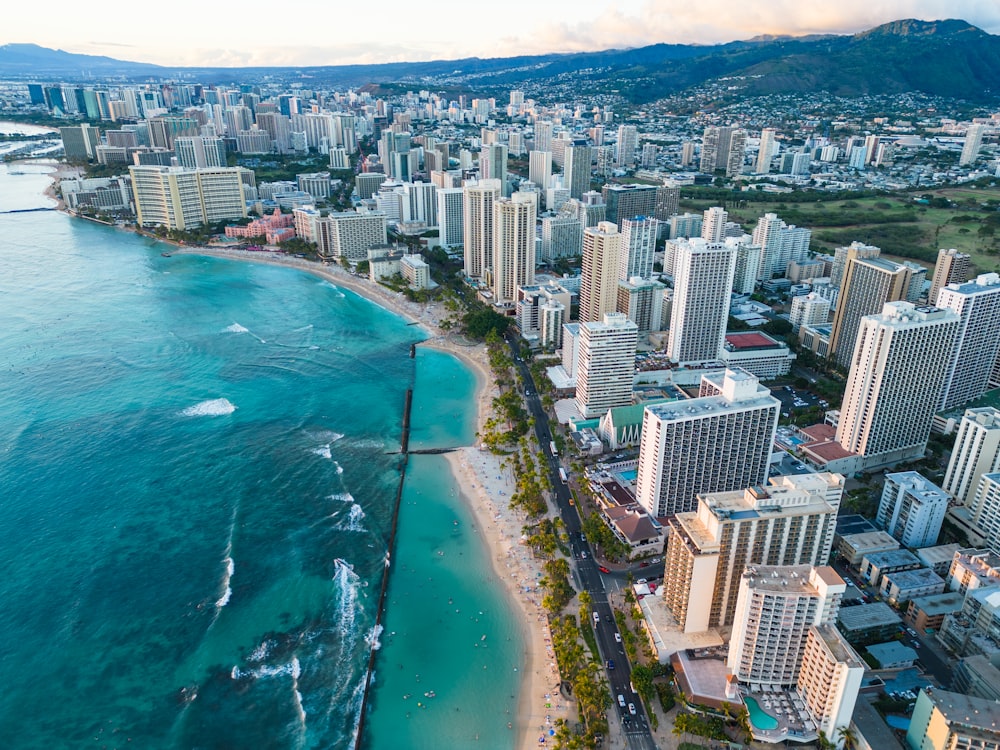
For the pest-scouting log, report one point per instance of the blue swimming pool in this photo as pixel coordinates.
(630, 475)
(758, 717)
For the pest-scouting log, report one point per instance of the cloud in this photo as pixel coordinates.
(714, 21)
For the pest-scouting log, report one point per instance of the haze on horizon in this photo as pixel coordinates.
(192, 33)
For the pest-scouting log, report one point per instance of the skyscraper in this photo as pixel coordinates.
(976, 452)
(766, 151)
(898, 366)
(540, 169)
(602, 251)
(952, 267)
(709, 444)
(715, 149)
(576, 170)
(780, 243)
(628, 141)
(977, 343)
(638, 245)
(513, 245)
(973, 142)
(868, 284)
(493, 165)
(451, 216)
(479, 202)
(713, 226)
(543, 136)
(790, 521)
(629, 200)
(605, 364)
(776, 608)
(912, 509)
(841, 254)
(703, 280)
(737, 153)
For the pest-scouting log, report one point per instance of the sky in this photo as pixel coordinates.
(325, 32)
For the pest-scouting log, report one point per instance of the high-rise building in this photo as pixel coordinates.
(868, 284)
(715, 149)
(602, 251)
(638, 245)
(748, 256)
(628, 201)
(480, 199)
(451, 216)
(713, 443)
(562, 237)
(976, 452)
(830, 679)
(951, 721)
(857, 250)
(576, 170)
(984, 510)
(703, 280)
(198, 152)
(540, 169)
(605, 364)
(668, 201)
(973, 142)
(628, 142)
(952, 267)
(808, 310)
(977, 343)
(350, 235)
(713, 225)
(912, 509)
(791, 521)
(178, 198)
(898, 366)
(642, 301)
(543, 136)
(80, 142)
(766, 151)
(737, 153)
(493, 165)
(780, 243)
(513, 245)
(776, 608)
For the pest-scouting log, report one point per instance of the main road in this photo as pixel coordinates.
(626, 705)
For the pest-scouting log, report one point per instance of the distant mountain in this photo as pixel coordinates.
(950, 58)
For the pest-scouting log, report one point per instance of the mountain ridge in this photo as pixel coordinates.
(949, 57)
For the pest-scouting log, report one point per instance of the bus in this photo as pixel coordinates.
(552, 448)
(562, 474)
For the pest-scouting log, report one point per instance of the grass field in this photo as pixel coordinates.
(964, 218)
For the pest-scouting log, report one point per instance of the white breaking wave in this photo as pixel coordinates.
(261, 652)
(348, 584)
(216, 407)
(300, 709)
(236, 328)
(323, 451)
(230, 569)
(340, 469)
(372, 639)
(353, 520)
(344, 497)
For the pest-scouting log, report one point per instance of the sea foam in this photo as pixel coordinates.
(353, 521)
(216, 407)
(236, 328)
(224, 599)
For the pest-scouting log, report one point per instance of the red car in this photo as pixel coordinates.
(603, 569)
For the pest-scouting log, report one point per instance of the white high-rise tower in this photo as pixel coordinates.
(513, 245)
(977, 304)
(703, 280)
(479, 202)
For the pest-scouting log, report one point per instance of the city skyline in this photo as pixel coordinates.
(401, 36)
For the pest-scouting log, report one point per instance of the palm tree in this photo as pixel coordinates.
(847, 738)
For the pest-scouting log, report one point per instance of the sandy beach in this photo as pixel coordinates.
(486, 488)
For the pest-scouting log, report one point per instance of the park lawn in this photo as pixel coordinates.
(896, 223)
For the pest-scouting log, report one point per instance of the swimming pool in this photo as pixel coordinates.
(758, 717)
(629, 475)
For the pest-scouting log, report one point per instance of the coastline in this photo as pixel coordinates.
(484, 487)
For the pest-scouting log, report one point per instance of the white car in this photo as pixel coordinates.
(621, 700)
(631, 708)
(618, 637)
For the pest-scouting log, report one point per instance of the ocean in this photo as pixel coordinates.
(196, 487)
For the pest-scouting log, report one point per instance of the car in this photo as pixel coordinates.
(631, 708)
(618, 637)
(621, 700)
(642, 580)
(912, 632)
(603, 569)
(583, 554)
(611, 664)
(597, 618)
(644, 565)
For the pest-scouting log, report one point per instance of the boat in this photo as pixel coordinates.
(165, 255)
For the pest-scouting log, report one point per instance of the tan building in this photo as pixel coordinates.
(952, 267)
(602, 251)
(178, 198)
(790, 522)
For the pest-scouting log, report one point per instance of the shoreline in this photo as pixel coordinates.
(483, 487)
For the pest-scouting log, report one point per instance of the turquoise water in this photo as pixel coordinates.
(758, 717)
(197, 483)
(629, 475)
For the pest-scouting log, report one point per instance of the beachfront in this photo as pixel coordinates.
(486, 488)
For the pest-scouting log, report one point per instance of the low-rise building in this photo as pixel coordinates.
(877, 564)
(893, 655)
(869, 623)
(952, 721)
(904, 585)
(854, 547)
(927, 613)
(758, 353)
(978, 677)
